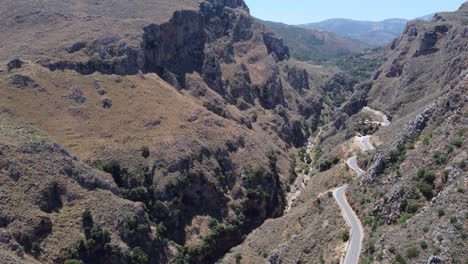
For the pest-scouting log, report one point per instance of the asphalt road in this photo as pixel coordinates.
(385, 122)
(352, 163)
(357, 232)
(365, 143)
(354, 247)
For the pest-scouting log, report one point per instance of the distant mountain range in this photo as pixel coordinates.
(315, 45)
(371, 33)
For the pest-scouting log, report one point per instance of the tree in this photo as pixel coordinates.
(87, 218)
(145, 152)
(345, 235)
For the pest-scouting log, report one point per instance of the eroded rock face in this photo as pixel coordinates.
(298, 78)
(271, 94)
(200, 41)
(276, 46)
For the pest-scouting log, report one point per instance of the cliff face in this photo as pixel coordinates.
(208, 42)
(427, 58)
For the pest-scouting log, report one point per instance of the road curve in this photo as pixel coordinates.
(352, 163)
(365, 143)
(385, 122)
(357, 232)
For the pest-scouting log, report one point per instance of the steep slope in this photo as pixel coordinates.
(49, 190)
(420, 171)
(315, 45)
(191, 114)
(411, 198)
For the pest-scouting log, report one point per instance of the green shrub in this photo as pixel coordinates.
(400, 259)
(453, 220)
(213, 222)
(392, 249)
(238, 258)
(145, 152)
(423, 244)
(138, 194)
(440, 212)
(440, 158)
(328, 164)
(412, 253)
(345, 235)
(113, 167)
(87, 218)
(404, 217)
(51, 198)
(292, 169)
(426, 176)
(462, 164)
(137, 255)
(426, 140)
(426, 189)
(458, 142)
(130, 224)
(421, 173)
(412, 207)
(302, 154)
(450, 148)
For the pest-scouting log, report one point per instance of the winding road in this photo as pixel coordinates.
(365, 143)
(352, 163)
(357, 231)
(385, 121)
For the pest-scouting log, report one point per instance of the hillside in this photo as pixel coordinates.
(187, 112)
(315, 45)
(374, 34)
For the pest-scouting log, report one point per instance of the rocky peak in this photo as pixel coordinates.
(227, 3)
(464, 6)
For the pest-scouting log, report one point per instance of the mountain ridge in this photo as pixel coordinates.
(315, 45)
(373, 33)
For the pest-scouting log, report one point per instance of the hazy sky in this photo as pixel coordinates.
(305, 11)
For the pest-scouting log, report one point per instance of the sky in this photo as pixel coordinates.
(306, 11)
